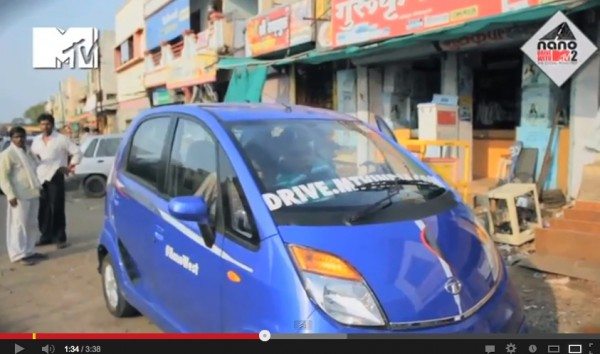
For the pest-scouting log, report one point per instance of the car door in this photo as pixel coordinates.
(88, 162)
(188, 273)
(105, 154)
(138, 183)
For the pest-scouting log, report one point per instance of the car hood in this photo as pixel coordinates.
(412, 267)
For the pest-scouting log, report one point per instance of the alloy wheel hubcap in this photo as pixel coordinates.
(110, 286)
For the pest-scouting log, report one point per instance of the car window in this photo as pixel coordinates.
(146, 153)
(89, 151)
(237, 214)
(321, 172)
(108, 147)
(193, 165)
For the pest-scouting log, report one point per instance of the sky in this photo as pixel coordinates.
(22, 86)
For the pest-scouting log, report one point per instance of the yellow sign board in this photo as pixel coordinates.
(198, 69)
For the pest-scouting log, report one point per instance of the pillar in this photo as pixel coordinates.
(585, 89)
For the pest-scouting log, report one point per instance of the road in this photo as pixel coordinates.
(63, 293)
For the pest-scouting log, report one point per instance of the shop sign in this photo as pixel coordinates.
(357, 21)
(169, 22)
(493, 38)
(302, 28)
(281, 28)
(268, 33)
(195, 70)
(161, 96)
(151, 6)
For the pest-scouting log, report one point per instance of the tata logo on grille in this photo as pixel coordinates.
(453, 286)
(559, 48)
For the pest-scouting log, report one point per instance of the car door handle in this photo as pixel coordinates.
(158, 237)
(158, 234)
(100, 161)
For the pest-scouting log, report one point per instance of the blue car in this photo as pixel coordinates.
(242, 218)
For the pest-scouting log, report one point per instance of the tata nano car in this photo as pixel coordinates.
(242, 218)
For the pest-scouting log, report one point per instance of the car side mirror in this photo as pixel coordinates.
(194, 209)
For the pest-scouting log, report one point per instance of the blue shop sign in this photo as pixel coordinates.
(167, 23)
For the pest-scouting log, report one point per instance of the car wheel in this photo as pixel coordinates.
(113, 296)
(94, 186)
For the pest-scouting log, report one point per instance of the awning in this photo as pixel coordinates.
(246, 84)
(514, 17)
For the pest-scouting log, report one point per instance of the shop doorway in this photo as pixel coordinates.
(315, 85)
(496, 107)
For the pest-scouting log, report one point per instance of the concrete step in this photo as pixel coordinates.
(561, 265)
(568, 244)
(582, 215)
(575, 225)
(587, 205)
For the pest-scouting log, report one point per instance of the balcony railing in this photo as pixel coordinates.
(217, 38)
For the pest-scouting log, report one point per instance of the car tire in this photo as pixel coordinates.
(111, 289)
(94, 186)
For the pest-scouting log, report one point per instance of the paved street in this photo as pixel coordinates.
(62, 294)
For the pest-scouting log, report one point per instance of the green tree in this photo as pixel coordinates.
(34, 111)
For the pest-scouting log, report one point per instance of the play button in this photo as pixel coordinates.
(18, 348)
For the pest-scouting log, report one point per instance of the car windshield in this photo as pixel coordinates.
(324, 171)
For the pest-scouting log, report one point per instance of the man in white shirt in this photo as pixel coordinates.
(58, 156)
(19, 181)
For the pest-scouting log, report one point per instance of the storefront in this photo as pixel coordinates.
(501, 97)
(193, 74)
(181, 58)
(315, 85)
(280, 32)
(493, 92)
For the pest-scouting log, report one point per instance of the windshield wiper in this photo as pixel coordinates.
(393, 187)
(392, 184)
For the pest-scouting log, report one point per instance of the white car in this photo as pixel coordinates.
(98, 156)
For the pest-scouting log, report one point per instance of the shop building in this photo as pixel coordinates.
(369, 61)
(282, 31)
(101, 102)
(129, 62)
(69, 103)
(185, 39)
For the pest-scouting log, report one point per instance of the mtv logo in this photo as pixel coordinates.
(54, 47)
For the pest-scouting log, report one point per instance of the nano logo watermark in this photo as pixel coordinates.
(559, 48)
(76, 47)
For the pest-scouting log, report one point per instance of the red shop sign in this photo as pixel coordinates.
(358, 21)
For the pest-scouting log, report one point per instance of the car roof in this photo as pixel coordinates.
(253, 111)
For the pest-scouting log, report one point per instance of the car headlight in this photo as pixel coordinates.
(337, 288)
(491, 252)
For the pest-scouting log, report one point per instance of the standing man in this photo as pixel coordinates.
(20, 183)
(58, 155)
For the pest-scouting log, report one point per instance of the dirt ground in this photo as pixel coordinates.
(63, 294)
